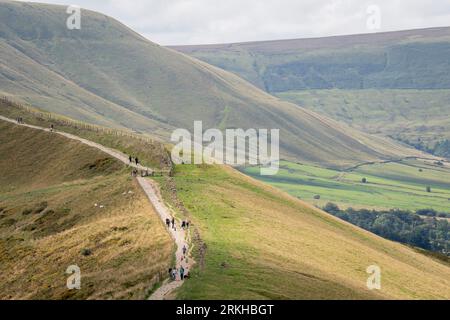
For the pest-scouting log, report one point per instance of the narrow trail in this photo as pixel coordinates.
(178, 234)
(114, 153)
(153, 193)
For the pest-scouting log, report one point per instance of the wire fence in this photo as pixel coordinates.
(61, 120)
(67, 122)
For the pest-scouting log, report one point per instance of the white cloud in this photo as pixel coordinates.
(218, 21)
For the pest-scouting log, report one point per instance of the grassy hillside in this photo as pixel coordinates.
(63, 203)
(414, 59)
(391, 185)
(395, 84)
(109, 75)
(257, 242)
(151, 152)
(418, 117)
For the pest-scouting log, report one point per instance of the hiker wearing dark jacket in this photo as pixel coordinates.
(181, 273)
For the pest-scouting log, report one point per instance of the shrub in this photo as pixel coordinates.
(364, 180)
(317, 197)
(86, 252)
(331, 208)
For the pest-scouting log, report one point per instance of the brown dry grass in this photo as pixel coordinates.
(130, 249)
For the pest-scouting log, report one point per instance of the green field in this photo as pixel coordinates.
(389, 185)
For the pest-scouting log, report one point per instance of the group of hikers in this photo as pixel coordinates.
(144, 173)
(20, 120)
(134, 160)
(173, 272)
(183, 272)
(171, 222)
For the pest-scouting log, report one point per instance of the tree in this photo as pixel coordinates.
(331, 208)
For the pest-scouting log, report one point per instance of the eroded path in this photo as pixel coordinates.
(153, 193)
(178, 234)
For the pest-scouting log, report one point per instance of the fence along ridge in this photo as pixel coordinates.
(73, 123)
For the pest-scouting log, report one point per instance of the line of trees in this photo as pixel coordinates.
(423, 229)
(440, 148)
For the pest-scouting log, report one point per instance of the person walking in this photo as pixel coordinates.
(168, 222)
(173, 223)
(181, 273)
(137, 161)
(131, 159)
(52, 128)
(174, 274)
(184, 250)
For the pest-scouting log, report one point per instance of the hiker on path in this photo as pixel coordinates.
(183, 224)
(187, 224)
(174, 274)
(51, 128)
(184, 250)
(168, 222)
(130, 158)
(173, 223)
(181, 273)
(137, 161)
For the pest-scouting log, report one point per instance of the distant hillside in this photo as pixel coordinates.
(394, 83)
(414, 59)
(420, 118)
(63, 203)
(107, 74)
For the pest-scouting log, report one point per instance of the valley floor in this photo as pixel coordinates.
(400, 185)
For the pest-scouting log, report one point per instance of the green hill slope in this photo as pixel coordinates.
(63, 203)
(413, 59)
(256, 242)
(250, 241)
(107, 74)
(395, 83)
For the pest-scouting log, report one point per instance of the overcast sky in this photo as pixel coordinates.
(169, 22)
